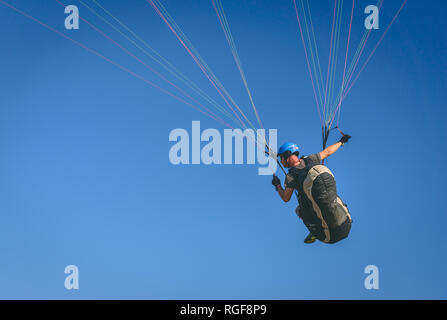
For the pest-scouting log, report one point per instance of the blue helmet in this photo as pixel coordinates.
(289, 147)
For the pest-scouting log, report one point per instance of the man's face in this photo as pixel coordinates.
(284, 162)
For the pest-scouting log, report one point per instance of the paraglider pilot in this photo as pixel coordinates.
(323, 212)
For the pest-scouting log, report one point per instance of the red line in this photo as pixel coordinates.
(193, 56)
(363, 48)
(308, 64)
(143, 63)
(347, 49)
(370, 56)
(104, 58)
(330, 55)
(355, 66)
(229, 43)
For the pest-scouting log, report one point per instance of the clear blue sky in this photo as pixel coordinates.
(85, 177)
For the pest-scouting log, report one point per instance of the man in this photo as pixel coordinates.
(322, 211)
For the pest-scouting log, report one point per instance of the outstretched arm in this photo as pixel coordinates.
(333, 148)
(330, 150)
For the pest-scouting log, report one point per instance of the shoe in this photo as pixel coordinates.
(310, 238)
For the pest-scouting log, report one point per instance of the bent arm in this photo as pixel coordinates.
(330, 150)
(285, 194)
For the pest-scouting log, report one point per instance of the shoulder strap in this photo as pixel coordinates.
(304, 159)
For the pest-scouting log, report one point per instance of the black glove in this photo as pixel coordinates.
(275, 181)
(345, 138)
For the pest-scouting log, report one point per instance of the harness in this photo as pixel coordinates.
(306, 211)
